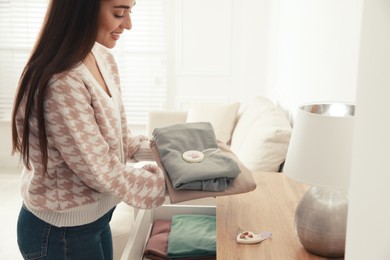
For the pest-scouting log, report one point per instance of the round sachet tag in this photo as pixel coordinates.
(193, 156)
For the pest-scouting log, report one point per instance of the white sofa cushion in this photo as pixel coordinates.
(164, 118)
(221, 116)
(261, 136)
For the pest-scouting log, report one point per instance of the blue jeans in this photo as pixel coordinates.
(40, 240)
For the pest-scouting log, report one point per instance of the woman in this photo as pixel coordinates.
(70, 129)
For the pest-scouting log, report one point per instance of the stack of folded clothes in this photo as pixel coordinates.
(186, 237)
(214, 172)
(216, 175)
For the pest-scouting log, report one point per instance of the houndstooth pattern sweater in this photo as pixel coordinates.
(88, 147)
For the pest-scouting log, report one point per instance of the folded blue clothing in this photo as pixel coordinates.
(214, 173)
(192, 236)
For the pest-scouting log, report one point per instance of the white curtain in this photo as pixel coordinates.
(140, 53)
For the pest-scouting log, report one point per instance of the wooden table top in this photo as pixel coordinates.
(271, 207)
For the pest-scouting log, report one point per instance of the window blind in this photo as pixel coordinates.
(140, 53)
(20, 22)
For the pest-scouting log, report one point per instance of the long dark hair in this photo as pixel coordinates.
(67, 36)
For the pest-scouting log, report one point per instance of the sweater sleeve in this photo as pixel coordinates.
(139, 148)
(71, 123)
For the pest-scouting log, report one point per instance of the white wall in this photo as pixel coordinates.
(316, 51)
(293, 51)
(218, 50)
(369, 211)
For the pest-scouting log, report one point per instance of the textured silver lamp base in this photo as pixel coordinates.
(321, 220)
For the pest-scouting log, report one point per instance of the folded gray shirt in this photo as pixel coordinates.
(214, 173)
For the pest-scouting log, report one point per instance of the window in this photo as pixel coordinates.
(19, 26)
(141, 57)
(140, 54)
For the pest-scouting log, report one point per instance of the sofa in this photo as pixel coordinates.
(258, 134)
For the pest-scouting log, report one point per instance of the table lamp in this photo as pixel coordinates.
(319, 155)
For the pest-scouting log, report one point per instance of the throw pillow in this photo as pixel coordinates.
(221, 116)
(261, 136)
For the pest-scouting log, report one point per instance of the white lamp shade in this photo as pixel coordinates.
(320, 147)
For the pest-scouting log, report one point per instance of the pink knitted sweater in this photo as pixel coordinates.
(89, 144)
